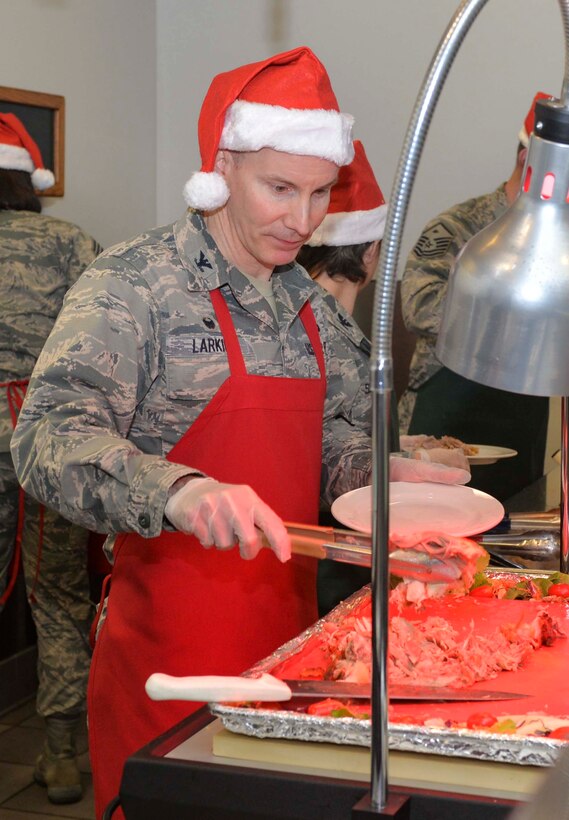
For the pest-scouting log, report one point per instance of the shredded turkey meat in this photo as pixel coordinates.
(466, 555)
(431, 652)
(447, 443)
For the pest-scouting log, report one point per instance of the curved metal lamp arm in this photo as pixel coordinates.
(382, 361)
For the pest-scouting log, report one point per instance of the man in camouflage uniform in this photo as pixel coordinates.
(439, 402)
(136, 379)
(40, 258)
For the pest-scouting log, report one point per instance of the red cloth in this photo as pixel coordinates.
(178, 608)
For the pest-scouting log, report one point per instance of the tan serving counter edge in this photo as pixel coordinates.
(417, 770)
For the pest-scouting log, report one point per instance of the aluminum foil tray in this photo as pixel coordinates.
(290, 725)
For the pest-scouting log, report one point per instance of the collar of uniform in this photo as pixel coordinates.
(209, 269)
(501, 199)
(199, 253)
(292, 288)
(345, 323)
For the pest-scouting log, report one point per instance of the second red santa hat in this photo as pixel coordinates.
(285, 102)
(357, 209)
(529, 121)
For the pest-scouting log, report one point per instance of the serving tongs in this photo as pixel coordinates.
(548, 520)
(351, 547)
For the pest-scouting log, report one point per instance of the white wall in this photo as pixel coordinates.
(377, 53)
(134, 73)
(101, 56)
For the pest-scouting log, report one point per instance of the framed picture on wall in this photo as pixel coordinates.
(44, 117)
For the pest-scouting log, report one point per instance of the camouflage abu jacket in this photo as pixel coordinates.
(136, 354)
(40, 258)
(425, 280)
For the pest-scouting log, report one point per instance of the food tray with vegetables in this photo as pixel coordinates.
(507, 627)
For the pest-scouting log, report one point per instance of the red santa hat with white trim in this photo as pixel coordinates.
(529, 121)
(285, 102)
(357, 209)
(20, 152)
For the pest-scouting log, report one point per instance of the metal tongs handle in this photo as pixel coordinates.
(352, 547)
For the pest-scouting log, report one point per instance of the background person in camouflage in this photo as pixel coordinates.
(194, 393)
(439, 402)
(40, 258)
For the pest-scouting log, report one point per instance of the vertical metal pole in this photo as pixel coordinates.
(564, 505)
(381, 360)
(380, 597)
(382, 378)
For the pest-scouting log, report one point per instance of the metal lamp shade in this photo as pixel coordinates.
(506, 319)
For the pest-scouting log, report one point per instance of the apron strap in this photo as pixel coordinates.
(234, 354)
(15, 393)
(309, 321)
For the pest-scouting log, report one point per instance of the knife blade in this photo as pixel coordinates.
(268, 688)
(362, 691)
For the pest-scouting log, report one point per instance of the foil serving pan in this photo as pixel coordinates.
(526, 750)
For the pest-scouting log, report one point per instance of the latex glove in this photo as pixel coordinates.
(419, 469)
(442, 455)
(221, 514)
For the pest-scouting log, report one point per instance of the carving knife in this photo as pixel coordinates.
(268, 688)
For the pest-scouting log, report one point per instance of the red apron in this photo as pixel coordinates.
(178, 608)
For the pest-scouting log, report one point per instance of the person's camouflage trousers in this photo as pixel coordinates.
(58, 593)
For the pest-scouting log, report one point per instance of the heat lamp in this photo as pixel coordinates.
(506, 325)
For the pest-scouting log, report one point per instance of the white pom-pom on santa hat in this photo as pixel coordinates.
(285, 103)
(42, 179)
(20, 152)
(357, 209)
(206, 192)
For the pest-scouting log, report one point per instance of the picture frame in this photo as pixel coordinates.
(44, 117)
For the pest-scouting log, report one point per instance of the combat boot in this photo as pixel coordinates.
(56, 767)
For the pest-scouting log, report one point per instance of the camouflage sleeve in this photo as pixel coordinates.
(347, 446)
(346, 450)
(84, 250)
(425, 278)
(429, 265)
(347, 458)
(70, 446)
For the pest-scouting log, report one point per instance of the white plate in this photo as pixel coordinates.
(451, 509)
(488, 454)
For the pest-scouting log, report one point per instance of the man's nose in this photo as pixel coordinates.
(299, 217)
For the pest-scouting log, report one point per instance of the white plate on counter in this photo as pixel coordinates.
(422, 507)
(488, 454)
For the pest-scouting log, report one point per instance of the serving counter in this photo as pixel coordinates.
(199, 770)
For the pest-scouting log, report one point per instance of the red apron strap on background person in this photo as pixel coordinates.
(16, 393)
(178, 608)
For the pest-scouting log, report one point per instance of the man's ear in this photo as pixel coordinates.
(222, 159)
(522, 157)
(370, 252)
